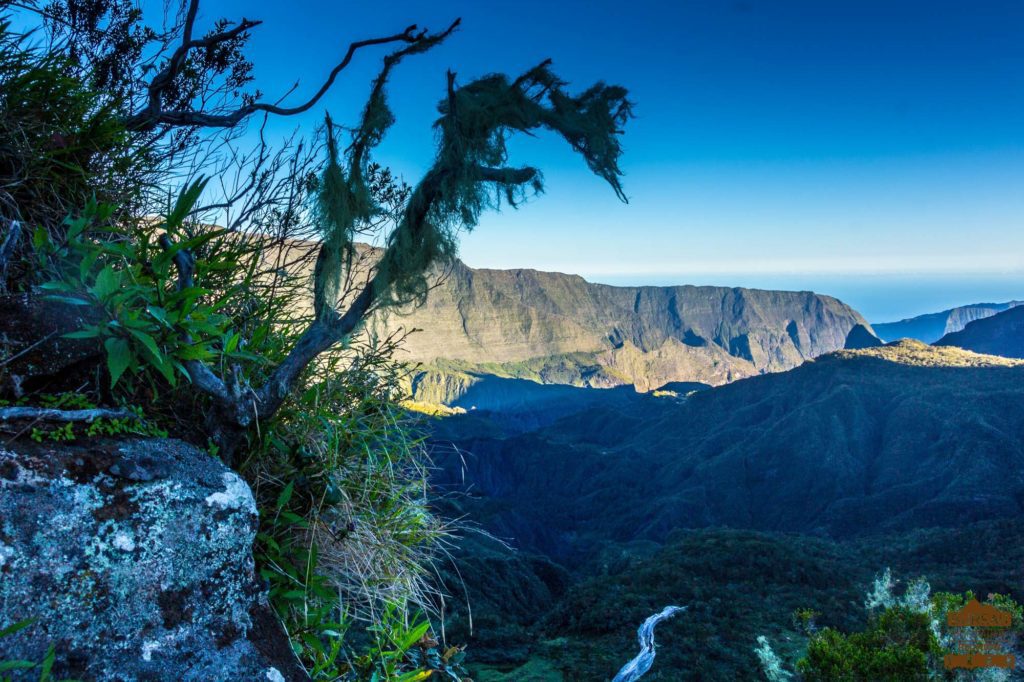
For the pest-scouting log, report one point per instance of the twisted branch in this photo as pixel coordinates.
(153, 114)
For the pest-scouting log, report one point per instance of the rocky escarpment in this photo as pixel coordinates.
(559, 328)
(133, 560)
(930, 328)
(1001, 334)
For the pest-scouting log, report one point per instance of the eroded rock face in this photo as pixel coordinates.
(135, 559)
(524, 323)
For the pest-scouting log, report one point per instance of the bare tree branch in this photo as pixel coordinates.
(54, 415)
(153, 114)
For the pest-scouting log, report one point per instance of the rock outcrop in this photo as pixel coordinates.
(35, 352)
(134, 558)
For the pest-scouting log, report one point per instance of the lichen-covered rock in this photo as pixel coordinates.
(134, 557)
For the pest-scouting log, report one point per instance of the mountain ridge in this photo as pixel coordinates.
(1001, 334)
(930, 327)
(560, 328)
(889, 438)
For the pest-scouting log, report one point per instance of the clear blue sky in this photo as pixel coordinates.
(774, 138)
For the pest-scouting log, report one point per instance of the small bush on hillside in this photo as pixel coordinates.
(907, 637)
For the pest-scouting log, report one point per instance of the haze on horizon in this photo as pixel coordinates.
(802, 142)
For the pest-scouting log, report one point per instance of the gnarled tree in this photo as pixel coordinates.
(470, 174)
(162, 97)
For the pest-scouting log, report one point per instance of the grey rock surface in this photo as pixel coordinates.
(134, 557)
(933, 326)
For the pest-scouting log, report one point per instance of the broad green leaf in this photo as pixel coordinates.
(285, 495)
(415, 635)
(200, 240)
(167, 255)
(76, 227)
(56, 285)
(161, 364)
(185, 203)
(196, 351)
(107, 283)
(51, 655)
(86, 265)
(90, 332)
(148, 342)
(160, 315)
(181, 368)
(41, 238)
(119, 357)
(70, 300)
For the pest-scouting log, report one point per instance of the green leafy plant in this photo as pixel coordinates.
(135, 423)
(895, 646)
(56, 156)
(402, 650)
(149, 326)
(346, 531)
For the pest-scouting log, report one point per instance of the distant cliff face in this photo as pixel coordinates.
(930, 328)
(1001, 334)
(560, 328)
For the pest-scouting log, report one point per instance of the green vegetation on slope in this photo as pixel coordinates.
(738, 585)
(900, 453)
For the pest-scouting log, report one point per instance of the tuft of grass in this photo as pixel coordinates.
(348, 539)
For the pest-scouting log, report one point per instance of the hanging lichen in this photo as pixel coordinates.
(469, 174)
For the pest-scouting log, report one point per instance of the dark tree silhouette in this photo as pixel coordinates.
(470, 174)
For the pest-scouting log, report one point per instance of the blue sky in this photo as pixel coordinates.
(774, 138)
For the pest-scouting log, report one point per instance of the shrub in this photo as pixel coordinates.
(53, 159)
